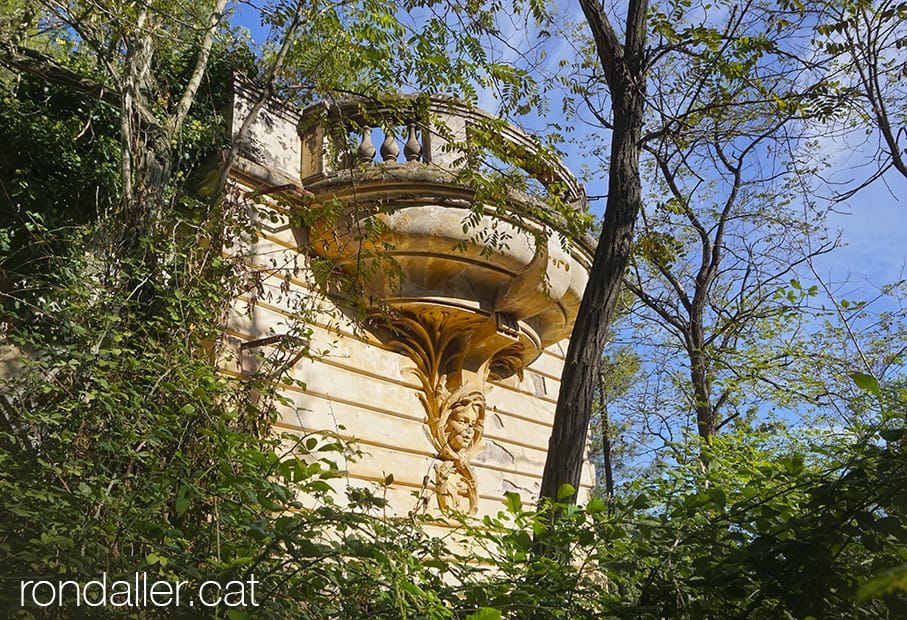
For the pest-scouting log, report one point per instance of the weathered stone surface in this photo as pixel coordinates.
(271, 141)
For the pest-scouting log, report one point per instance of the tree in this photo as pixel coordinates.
(722, 242)
(674, 89)
(849, 335)
(778, 525)
(625, 69)
(619, 371)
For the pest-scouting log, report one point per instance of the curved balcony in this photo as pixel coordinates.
(399, 178)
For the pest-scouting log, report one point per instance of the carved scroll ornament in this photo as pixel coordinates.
(453, 353)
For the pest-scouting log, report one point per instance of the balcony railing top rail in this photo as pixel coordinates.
(442, 132)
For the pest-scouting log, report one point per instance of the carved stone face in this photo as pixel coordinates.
(465, 414)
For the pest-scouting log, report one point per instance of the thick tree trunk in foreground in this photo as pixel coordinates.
(624, 67)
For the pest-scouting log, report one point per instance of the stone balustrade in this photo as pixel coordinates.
(439, 132)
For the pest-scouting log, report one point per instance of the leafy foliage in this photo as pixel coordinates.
(123, 450)
(773, 528)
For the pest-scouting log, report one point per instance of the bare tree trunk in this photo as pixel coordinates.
(702, 394)
(624, 67)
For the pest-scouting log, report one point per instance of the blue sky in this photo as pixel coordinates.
(873, 226)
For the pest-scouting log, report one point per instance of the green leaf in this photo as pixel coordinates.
(181, 505)
(865, 382)
(718, 497)
(566, 490)
(319, 486)
(595, 505)
(523, 541)
(892, 434)
(154, 558)
(513, 502)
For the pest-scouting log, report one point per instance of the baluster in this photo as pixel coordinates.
(366, 150)
(389, 148)
(412, 150)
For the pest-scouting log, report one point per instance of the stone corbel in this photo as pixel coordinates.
(455, 352)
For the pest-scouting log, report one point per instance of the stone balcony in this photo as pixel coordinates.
(468, 280)
(404, 213)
